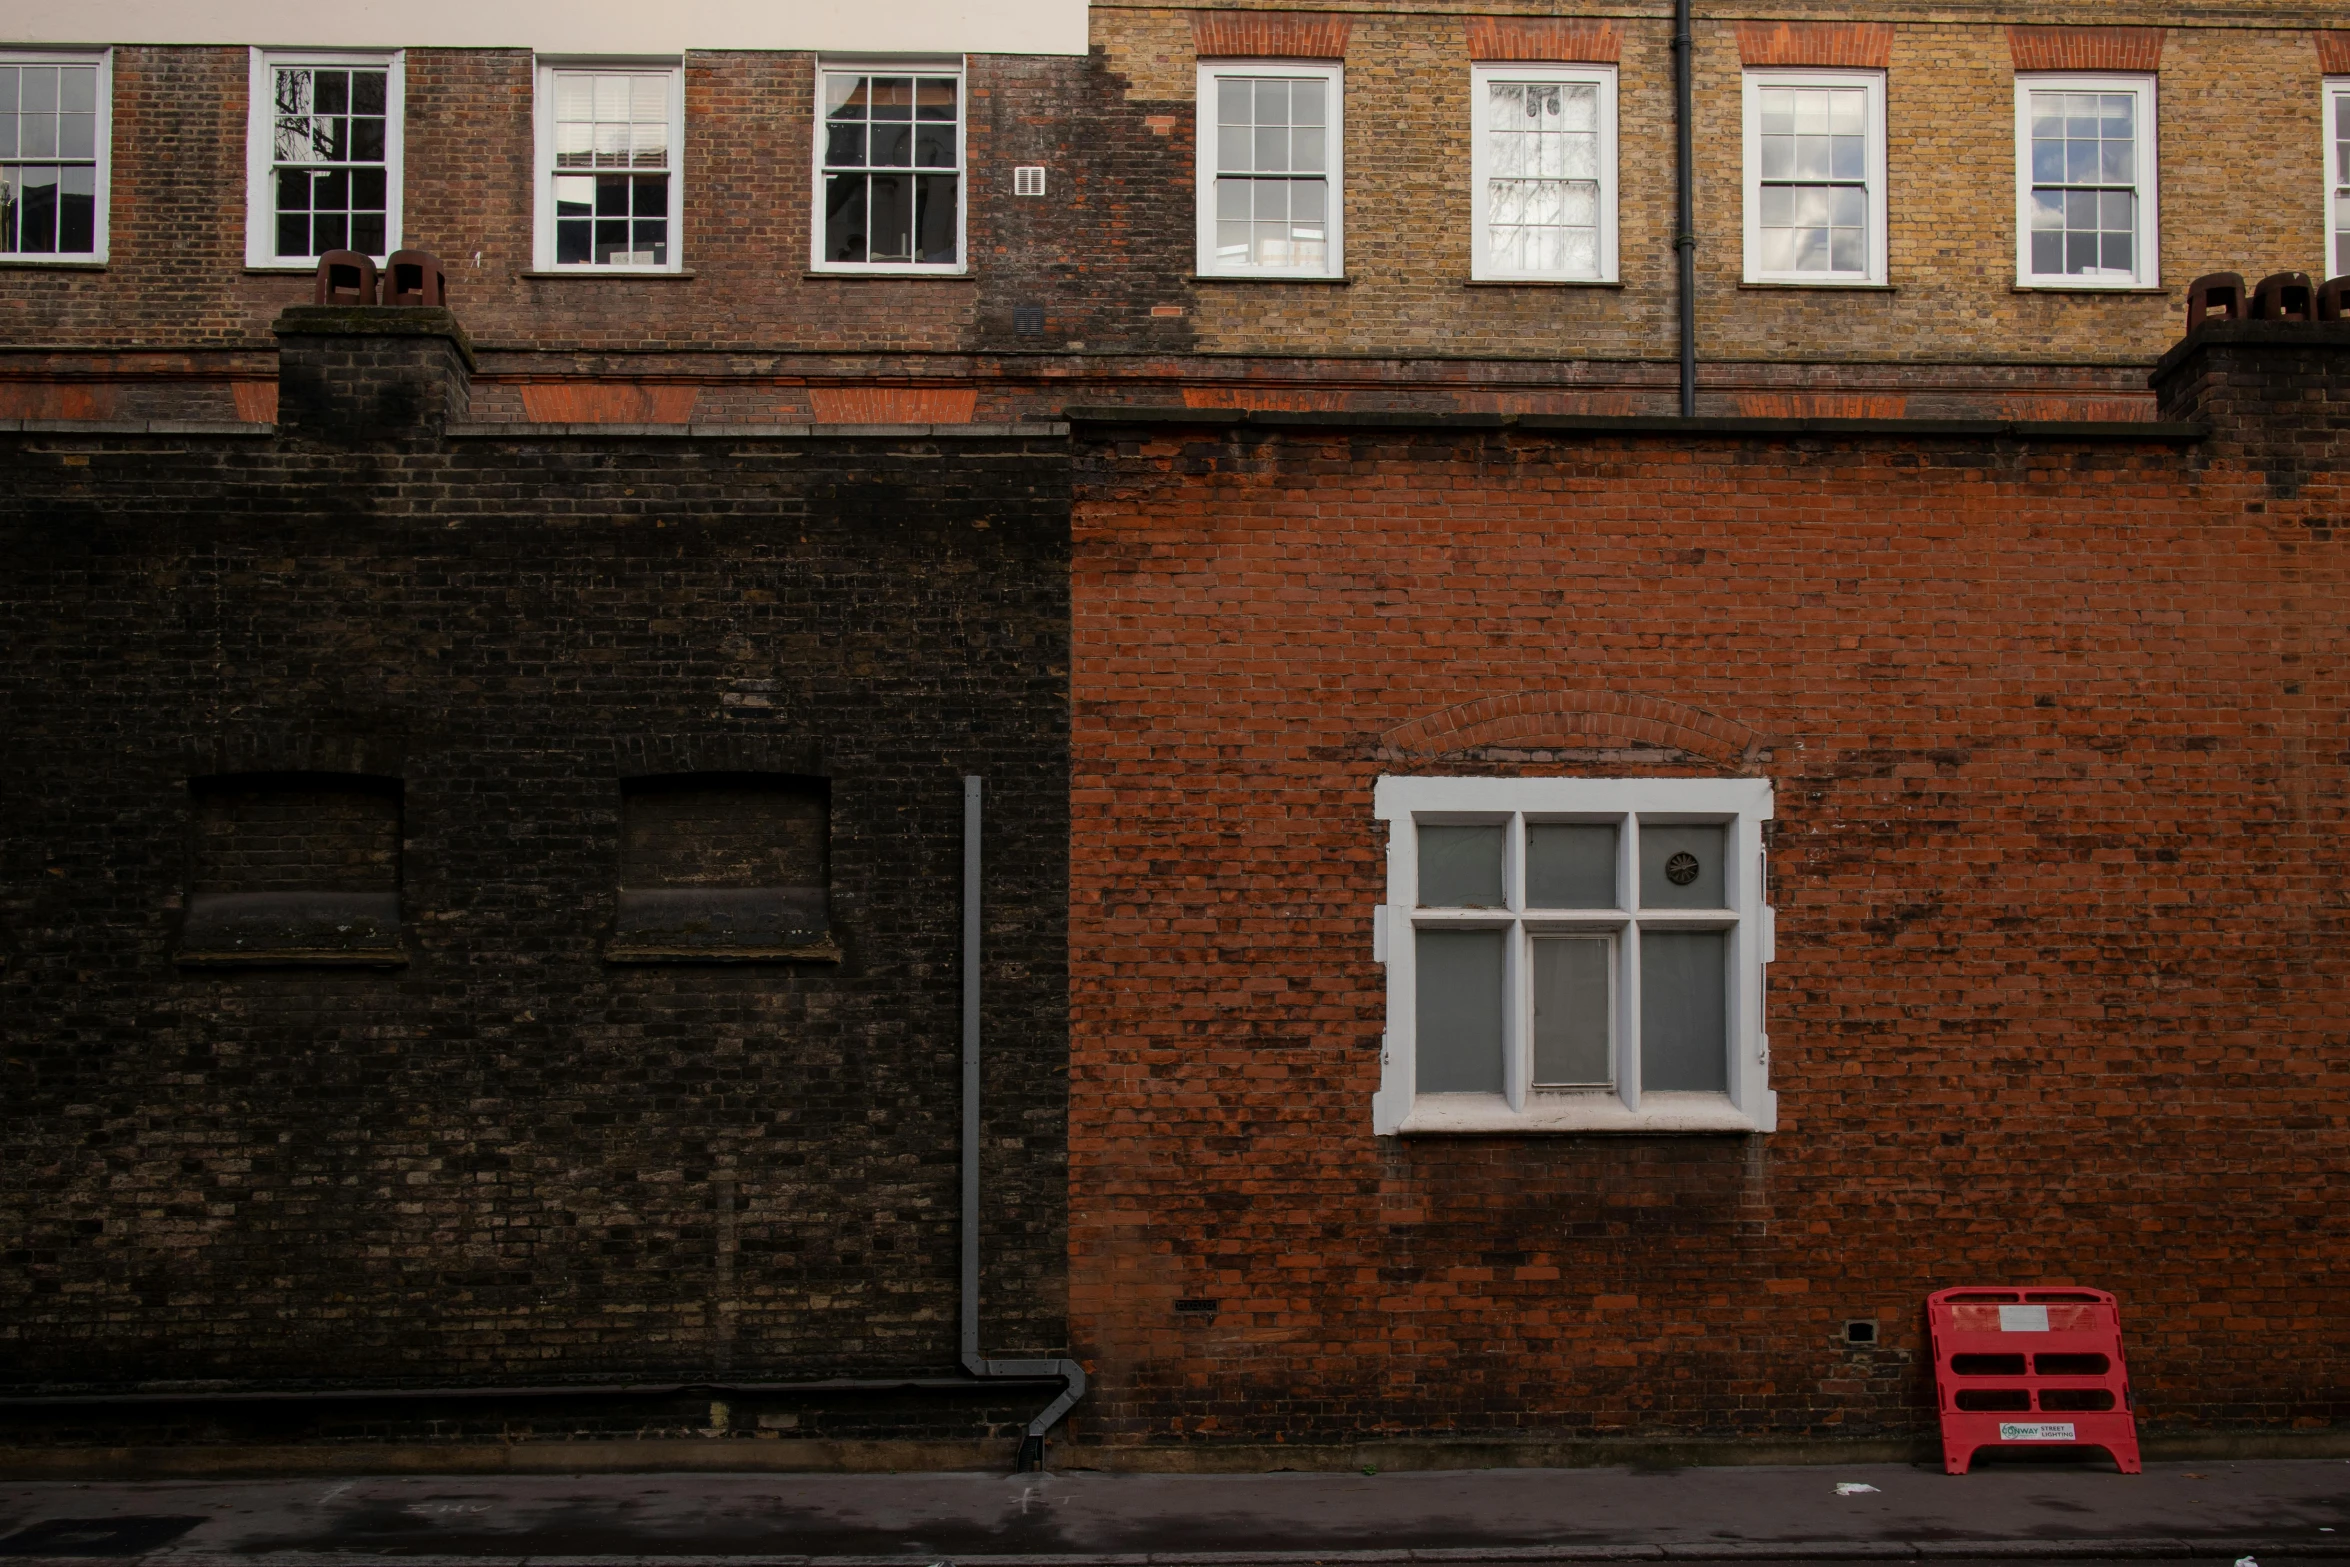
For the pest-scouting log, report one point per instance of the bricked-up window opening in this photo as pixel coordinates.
(610, 195)
(889, 176)
(1269, 149)
(2337, 119)
(323, 155)
(724, 867)
(1573, 954)
(2085, 151)
(1815, 176)
(293, 868)
(54, 136)
(1544, 173)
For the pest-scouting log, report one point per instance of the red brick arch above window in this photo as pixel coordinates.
(1579, 41)
(1270, 35)
(1574, 720)
(2085, 48)
(2333, 53)
(1868, 45)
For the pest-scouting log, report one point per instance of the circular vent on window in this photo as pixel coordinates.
(1681, 869)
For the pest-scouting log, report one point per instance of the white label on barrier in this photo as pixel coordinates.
(2023, 1319)
(2055, 1431)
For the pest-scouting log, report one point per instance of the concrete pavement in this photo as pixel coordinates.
(2211, 1512)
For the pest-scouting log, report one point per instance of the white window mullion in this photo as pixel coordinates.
(1271, 186)
(2087, 202)
(1482, 922)
(1815, 199)
(324, 151)
(1543, 173)
(610, 166)
(2337, 166)
(891, 192)
(1628, 979)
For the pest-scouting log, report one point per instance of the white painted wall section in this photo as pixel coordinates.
(569, 27)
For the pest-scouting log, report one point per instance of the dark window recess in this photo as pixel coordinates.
(724, 867)
(1991, 1398)
(294, 868)
(2077, 1399)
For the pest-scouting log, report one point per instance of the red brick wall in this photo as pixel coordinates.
(2058, 743)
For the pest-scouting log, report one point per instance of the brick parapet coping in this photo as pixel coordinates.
(2148, 430)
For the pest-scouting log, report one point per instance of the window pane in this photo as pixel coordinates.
(77, 211)
(1684, 1010)
(1681, 867)
(1458, 1022)
(890, 218)
(1570, 865)
(1573, 987)
(844, 218)
(1460, 867)
(935, 218)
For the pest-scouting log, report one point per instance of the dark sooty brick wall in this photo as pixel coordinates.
(508, 1160)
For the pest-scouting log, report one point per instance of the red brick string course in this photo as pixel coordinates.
(1864, 44)
(1525, 38)
(2085, 48)
(2333, 52)
(2058, 744)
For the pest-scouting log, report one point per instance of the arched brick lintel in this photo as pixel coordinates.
(1565, 720)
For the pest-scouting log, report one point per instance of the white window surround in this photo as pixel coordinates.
(1739, 806)
(100, 161)
(2336, 162)
(1484, 264)
(1761, 266)
(2146, 232)
(1331, 173)
(260, 140)
(544, 248)
(898, 65)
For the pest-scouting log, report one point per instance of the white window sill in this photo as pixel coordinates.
(1457, 1115)
(58, 263)
(641, 272)
(1543, 282)
(936, 274)
(1270, 277)
(2071, 286)
(1825, 282)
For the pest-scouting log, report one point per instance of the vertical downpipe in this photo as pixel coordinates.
(1685, 224)
(1072, 1374)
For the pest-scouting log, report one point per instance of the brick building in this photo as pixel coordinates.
(1515, 919)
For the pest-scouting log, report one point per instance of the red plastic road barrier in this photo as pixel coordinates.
(2030, 1368)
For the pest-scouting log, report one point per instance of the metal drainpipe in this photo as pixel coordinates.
(1685, 234)
(1072, 1374)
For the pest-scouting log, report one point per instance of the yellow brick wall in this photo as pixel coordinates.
(2240, 190)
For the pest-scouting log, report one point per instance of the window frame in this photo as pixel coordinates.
(103, 162)
(1332, 72)
(261, 135)
(1482, 74)
(2335, 121)
(1741, 805)
(2146, 243)
(1874, 273)
(955, 65)
(544, 70)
